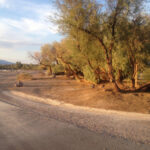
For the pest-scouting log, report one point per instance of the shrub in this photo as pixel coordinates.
(24, 76)
(58, 69)
(89, 74)
(145, 75)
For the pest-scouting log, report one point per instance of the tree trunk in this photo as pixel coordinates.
(50, 70)
(135, 76)
(117, 88)
(72, 71)
(97, 74)
(111, 76)
(110, 73)
(120, 76)
(108, 53)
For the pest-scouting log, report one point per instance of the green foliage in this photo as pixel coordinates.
(30, 67)
(145, 75)
(121, 62)
(24, 67)
(89, 75)
(47, 55)
(112, 38)
(19, 65)
(57, 69)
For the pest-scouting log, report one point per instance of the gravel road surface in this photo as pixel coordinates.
(31, 125)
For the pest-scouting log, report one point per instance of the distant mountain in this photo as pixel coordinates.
(4, 62)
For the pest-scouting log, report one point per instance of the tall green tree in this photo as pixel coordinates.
(71, 61)
(135, 38)
(103, 22)
(46, 57)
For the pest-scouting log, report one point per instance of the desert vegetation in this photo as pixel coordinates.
(24, 76)
(18, 65)
(104, 41)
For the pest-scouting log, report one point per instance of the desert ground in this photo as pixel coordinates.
(79, 93)
(64, 114)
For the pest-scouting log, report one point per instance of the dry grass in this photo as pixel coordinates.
(24, 76)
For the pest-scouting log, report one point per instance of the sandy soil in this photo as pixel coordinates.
(82, 94)
(129, 126)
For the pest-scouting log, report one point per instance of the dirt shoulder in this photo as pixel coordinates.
(79, 93)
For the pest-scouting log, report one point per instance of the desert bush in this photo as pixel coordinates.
(89, 74)
(145, 75)
(58, 69)
(24, 76)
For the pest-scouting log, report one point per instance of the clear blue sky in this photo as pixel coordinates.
(24, 27)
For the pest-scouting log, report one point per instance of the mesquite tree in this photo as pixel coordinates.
(46, 57)
(112, 24)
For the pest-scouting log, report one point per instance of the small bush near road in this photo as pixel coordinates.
(24, 76)
(89, 74)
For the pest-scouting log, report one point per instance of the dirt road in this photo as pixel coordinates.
(29, 125)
